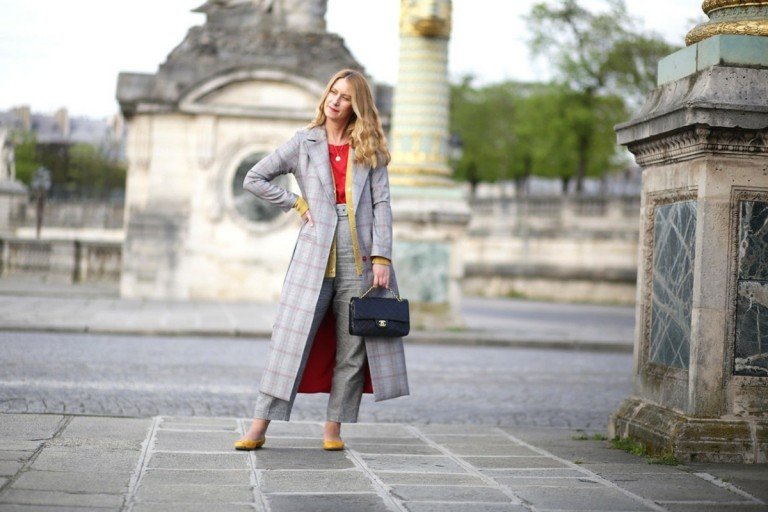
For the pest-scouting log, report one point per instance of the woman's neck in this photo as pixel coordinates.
(335, 132)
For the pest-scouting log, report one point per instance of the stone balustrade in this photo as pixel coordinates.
(68, 260)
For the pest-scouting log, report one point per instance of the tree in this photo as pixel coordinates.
(514, 130)
(25, 155)
(597, 56)
(486, 119)
(78, 170)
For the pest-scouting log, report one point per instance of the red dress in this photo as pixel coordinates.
(318, 373)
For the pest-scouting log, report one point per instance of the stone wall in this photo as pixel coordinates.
(548, 247)
(553, 247)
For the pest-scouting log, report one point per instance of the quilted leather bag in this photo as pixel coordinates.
(379, 317)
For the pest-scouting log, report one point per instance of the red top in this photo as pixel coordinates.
(339, 156)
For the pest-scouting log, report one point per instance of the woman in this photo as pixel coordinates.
(343, 249)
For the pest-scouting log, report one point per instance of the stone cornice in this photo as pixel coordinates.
(718, 97)
(699, 140)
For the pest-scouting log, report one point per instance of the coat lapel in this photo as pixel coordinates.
(317, 150)
(359, 177)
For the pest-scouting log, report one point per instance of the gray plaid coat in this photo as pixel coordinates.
(306, 156)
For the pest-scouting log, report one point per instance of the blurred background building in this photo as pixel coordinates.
(234, 89)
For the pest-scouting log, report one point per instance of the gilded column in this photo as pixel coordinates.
(422, 95)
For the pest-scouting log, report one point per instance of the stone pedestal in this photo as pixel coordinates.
(701, 345)
(429, 225)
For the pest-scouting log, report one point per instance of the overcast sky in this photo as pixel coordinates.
(56, 53)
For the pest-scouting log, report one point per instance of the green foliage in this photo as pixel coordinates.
(93, 172)
(582, 436)
(641, 450)
(81, 170)
(606, 64)
(629, 445)
(667, 459)
(596, 52)
(515, 130)
(27, 161)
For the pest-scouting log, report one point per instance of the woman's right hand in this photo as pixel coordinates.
(307, 217)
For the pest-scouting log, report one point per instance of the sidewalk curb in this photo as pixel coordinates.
(469, 338)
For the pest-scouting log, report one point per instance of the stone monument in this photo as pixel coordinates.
(431, 213)
(13, 193)
(232, 91)
(701, 345)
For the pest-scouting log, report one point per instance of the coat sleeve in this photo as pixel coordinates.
(283, 160)
(382, 214)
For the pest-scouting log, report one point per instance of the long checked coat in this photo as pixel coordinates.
(306, 156)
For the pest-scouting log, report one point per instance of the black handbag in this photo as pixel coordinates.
(379, 317)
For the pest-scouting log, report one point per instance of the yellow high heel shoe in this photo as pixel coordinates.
(333, 446)
(250, 444)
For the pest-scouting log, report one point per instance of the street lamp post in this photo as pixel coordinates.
(41, 184)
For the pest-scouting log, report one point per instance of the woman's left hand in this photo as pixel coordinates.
(381, 275)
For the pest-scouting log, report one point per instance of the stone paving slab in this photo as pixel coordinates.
(191, 466)
(198, 476)
(412, 464)
(468, 494)
(74, 481)
(394, 478)
(315, 481)
(181, 460)
(193, 507)
(9, 507)
(393, 449)
(10, 467)
(69, 459)
(18, 444)
(717, 507)
(29, 427)
(168, 440)
(589, 500)
(58, 498)
(437, 506)
(172, 492)
(326, 503)
(89, 427)
(300, 458)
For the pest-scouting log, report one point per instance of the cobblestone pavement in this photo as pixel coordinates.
(65, 463)
(148, 376)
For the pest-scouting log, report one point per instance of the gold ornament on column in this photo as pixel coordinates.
(731, 17)
(425, 18)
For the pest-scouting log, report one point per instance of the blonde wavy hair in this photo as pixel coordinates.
(364, 128)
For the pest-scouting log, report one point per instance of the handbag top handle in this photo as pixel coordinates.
(388, 288)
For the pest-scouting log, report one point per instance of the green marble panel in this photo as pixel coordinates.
(753, 240)
(751, 343)
(672, 297)
(422, 270)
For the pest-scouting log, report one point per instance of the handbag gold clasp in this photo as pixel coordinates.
(381, 323)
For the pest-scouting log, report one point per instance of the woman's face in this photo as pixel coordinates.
(338, 103)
